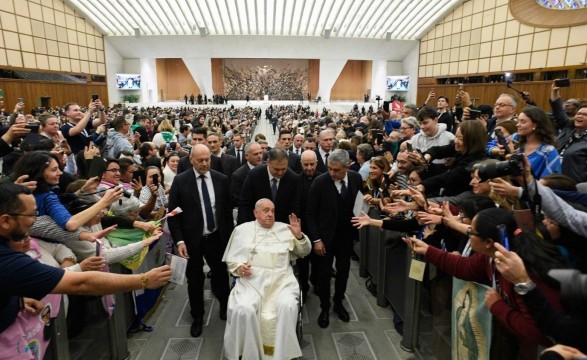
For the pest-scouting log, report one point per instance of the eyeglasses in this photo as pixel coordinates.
(26, 215)
(502, 105)
(113, 170)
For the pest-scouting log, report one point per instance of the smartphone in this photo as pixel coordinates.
(19, 100)
(474, 114)
(95, 97)
(156, 179)
(34, 128)
(98, 248)
(139, 175)
(409, 146)
(562, 83)
(168, 147)
(379, 137)
(172, 146)
(504, 238)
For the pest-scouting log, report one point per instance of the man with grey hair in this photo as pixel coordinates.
(273, 180)
(253, 156)
(505, 108)
(364, 154)
(409, 110)
(325, 142)
(329, 212)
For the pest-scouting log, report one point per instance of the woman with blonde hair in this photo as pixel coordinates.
(165, 133)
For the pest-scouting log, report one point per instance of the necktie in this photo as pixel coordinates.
(343, 189)
(297, 151)
(207, 205)
(326, 159)
(274, 188)
(238, 155)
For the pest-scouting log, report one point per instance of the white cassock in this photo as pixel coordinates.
(263, 308)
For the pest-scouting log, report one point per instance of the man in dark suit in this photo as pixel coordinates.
(284, 142)
(229, 162)
(304, 182)
(202, 230)
(238, 149)
(328, 216)
(326, 140)
(272, 181)
(254, 156)
(198, 137)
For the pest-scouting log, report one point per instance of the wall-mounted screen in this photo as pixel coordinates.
(128, 81)
(398, 83)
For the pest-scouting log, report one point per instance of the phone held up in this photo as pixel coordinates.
(95, 97)
(156, 179)
(562, 83)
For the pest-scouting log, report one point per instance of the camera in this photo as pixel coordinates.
(573, 290)
(514, 166)
(501, 140)
(126, 193)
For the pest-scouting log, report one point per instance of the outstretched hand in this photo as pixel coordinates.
(295, 226)
(361, 221)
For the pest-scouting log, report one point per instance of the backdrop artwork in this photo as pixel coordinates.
(255, 78)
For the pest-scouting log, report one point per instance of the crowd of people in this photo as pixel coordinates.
(485, 193)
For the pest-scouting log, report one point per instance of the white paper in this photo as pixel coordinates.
(178, 266)
(360, 205)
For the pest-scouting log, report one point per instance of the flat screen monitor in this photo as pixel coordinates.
(128, 81)
(398, 83)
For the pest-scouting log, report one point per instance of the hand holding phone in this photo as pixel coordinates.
(562, 83)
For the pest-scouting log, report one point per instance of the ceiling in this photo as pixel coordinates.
(361, 19)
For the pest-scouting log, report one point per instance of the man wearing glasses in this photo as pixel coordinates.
(23, 278)
(505, 108)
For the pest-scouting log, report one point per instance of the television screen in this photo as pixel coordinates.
(128, 81)
(398, 83)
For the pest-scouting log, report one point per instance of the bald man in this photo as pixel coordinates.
(202, 230)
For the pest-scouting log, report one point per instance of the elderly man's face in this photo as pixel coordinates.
(265, 213)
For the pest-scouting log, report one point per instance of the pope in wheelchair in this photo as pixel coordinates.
(263, 305)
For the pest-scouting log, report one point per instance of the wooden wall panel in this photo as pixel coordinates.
(353, 81)
(217, 76)
(60, 93)
(174, 80)
(313, 77)
(488, 93)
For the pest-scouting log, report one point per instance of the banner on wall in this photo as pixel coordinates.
(471, 321)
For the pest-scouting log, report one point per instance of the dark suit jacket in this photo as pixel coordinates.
(304, 185)
(322, 213)
(257, 187)
(232, 151)
(237, 182)
(189, 225)
(320, 166)
(185, 164)
(229, 164)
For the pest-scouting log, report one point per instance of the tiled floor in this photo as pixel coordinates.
(369, 334)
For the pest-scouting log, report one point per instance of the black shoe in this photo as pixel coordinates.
(324, 319)
(196, 329)
(341, 312)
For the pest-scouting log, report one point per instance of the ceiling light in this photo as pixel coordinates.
(327, 33)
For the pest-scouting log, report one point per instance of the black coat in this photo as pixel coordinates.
(257, 187)
(189, 225)
(322, 213)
